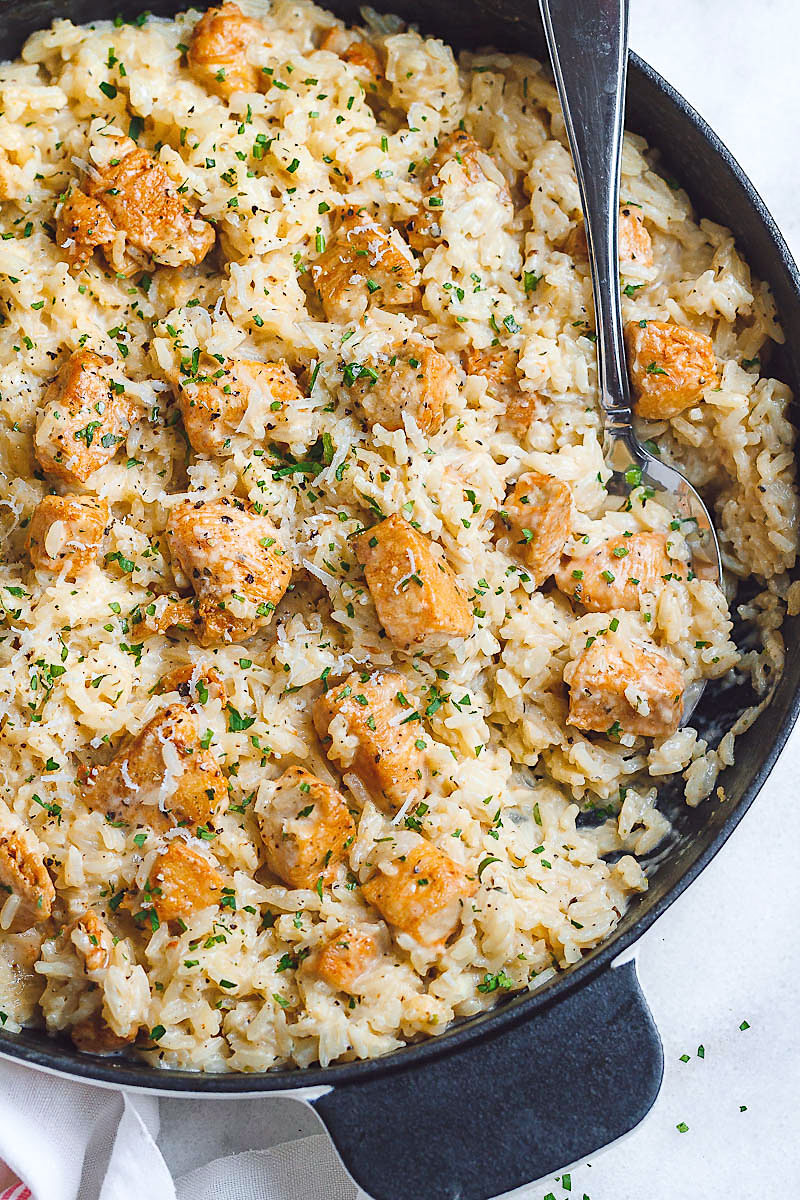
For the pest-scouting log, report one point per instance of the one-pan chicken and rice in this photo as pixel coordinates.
(308, 548)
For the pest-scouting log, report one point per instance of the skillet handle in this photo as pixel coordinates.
(506, 1109)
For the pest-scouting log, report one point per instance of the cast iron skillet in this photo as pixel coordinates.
(543, 1079)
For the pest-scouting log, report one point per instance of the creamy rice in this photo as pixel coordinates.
(229, 988)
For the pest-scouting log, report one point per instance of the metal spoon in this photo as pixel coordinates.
(588, 44)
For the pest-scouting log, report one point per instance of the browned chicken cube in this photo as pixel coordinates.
(414, 379)
(498, 366)
(634, 240)
(415, 593)
(617, 687)
(372, 740)
(635, 244)
(353, 50)
(363, 264)
(83, 419)
(538, 512)
(142, 201)
(670, 367)
(65, 533)
(522, 409)
(618, 572)
(361, 54)
(193, 683)
(213, 406)
(217, 54)
(93, 941)
(168, 614)
(182, 881)
(162, 777)
(234, 562)
(23, 876)
(345, 960)
(306, 829)
(461, 147)
(81, 226)
(93, 1036)
(424, 896)
(423, 230)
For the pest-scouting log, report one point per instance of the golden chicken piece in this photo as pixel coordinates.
(162, 777)
(93, 941)
(424, 896)
(234, 562)
(363, 264)
(182, 881)
(413, 379)
(143, 202)
(353, 50)
(66, 532)
(468, 153)
(217, 54)
(616, 573)
(167, 614)
(522, 409)
(371, 738)
(498, 366)
(635, 244)
(93, 1036)
(193, 682)
(81, 226)
(83, 419)
(345, 959)
(415, 593)
(213, 407)
(476, 164)
(617, 687)
(538, 511)
(423, 230)
(24, 876)
(670, 367)
(306, 829)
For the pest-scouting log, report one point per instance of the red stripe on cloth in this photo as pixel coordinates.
(18, 1192)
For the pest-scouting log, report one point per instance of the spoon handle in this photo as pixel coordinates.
(588, 44)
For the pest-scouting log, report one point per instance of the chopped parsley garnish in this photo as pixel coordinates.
(236, 722)
(492, 983)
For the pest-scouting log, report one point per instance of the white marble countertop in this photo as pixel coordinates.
(727, 951)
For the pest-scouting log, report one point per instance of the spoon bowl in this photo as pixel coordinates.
(637, 474)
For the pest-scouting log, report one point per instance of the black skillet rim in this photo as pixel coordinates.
(522, 1007)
